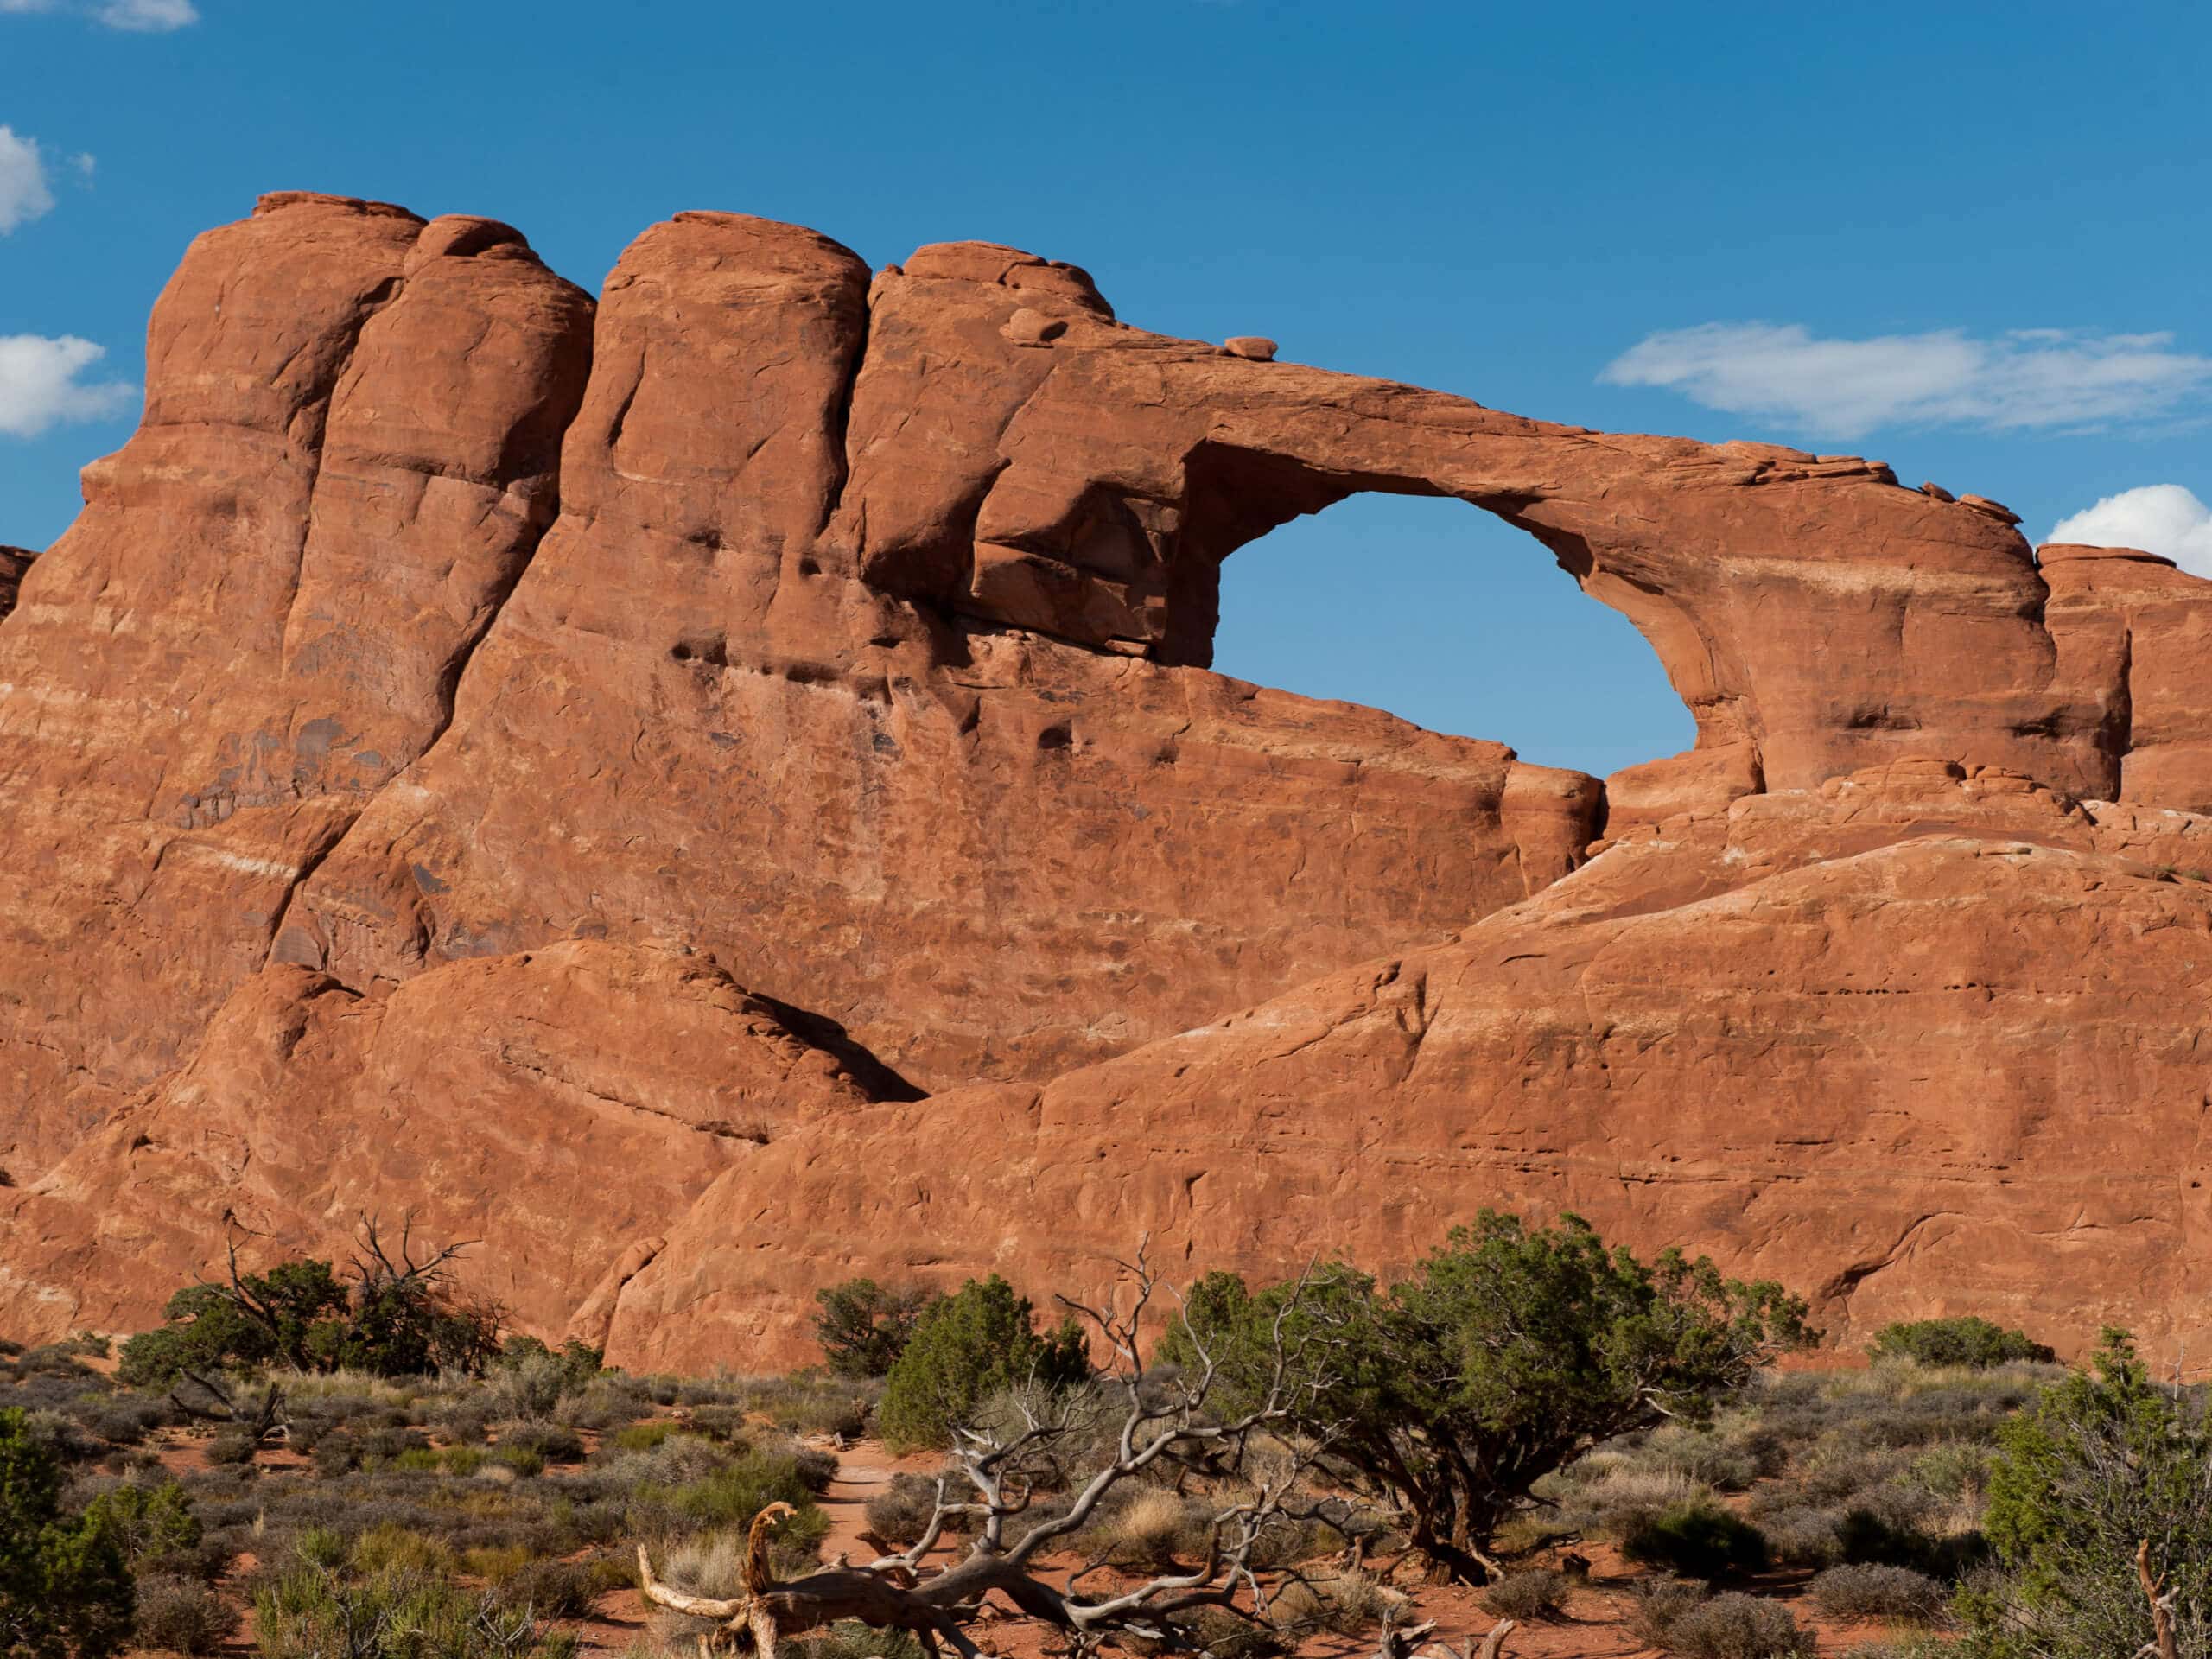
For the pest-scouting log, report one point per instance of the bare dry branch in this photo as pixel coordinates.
(1160, 1420)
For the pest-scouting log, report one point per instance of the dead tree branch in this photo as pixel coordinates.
(2162, 1608)
(1162, 1420)
(260, 1413)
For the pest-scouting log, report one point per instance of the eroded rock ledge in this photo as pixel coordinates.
(448, 655)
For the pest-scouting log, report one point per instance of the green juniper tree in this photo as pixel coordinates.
(1509, 1353)
(64, 1587)
(863, 1326)
(401, 1315)
(2104, 1464)
(966, 1347)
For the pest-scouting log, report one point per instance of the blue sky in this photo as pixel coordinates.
(1971, 239)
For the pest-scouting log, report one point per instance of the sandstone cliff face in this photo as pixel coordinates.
(1905, 1042)
(475, 740)
(350, 449)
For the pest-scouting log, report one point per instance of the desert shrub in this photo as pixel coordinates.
(812, 1402)
(231, 1446)
(336, 1454)
(644, 1437)
(814, 1467)
(1609, 1495)
(1952, 1469)
(1733, 1625)
(863, 1326)
(1150, 1527)
(1800, 1536)
(59, 1437)
(582, 1361)
(124, 1418)
(732, 1494)
(65, 1588)
(1516, 1346)
(1345, 1602)
(1657, 1605)
(385, 1446)
(148, 1522)
(726, 1499)
(524, 1458)
(2105, 1459)
(181, 1615)
(1699, 1540)
(1931, 1415)
(965, 1347)
(677, 1461)
(708, 1564)
(1285, 1542)
(1868, 1590)
(718, 1422)
(386, 1547)
(901, 1513)
(1539, 1593)
(530, 1380)
(1965, 1340)
(1869, 1537)
(465, 1421)
(562, 1589)
(1222, 1634)
(850, 1639)
(495, 1563)
(1841, 1473)
(551, 1441)
(310, 1611)
(1728, 1460)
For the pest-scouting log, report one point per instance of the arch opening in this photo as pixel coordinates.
(1418, 605)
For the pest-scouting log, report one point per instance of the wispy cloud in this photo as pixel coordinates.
(2035, 378)
(40, 384)
(2165, 518)
(148, 16)
(24, 194)
(139, 17)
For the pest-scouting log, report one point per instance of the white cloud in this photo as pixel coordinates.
(1845, 388)
(40, 388)
(2163, 518)
(23, 193)
(148, 16)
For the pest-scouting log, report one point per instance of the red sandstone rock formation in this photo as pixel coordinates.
(15, 564)
(445, 659)
(351, 446)
(1915, 1042)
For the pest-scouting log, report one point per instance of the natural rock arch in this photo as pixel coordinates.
(1452, 619)
(869, 696)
